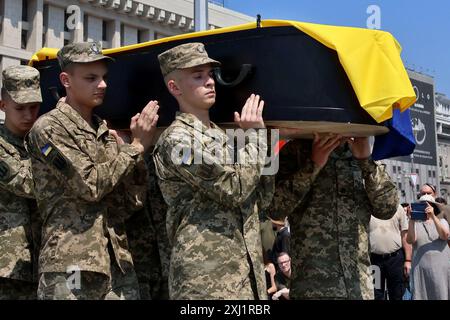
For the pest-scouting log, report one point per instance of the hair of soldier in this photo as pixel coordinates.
(441, 200)
(4, 94)
(174, 75)
(69, 67)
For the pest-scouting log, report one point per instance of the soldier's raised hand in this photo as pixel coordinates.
(322, 148)
(251, 115)
(143, 126)
(360, 147)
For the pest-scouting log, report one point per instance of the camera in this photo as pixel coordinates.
(418, 211)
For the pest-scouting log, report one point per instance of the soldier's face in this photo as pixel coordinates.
(19, 118)
(87, 83)
(197, 87)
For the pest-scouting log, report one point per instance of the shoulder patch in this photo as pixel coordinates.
(5, 171)
(54, 156)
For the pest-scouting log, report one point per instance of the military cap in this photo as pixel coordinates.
(80, 52)
(184, 56)
(22, 84)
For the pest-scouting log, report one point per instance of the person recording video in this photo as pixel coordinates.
(428, 234)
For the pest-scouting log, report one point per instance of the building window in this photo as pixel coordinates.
(399, 169)
(140, 36)
(1, 16)
(104, 29)
(122, 34)
(85, 27)
(24, 39)
(417, 171)
(394, 169)
(160, 35)
(66, 17)
(417, 188)
(23, 62)
(429, 173)
(434, 174)
(24, 10)
(45, 24)
(400, 186)
(66, 41)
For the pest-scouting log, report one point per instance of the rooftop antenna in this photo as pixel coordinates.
(258, 21)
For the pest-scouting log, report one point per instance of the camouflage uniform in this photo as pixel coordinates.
(212, 218)
(329, 212)
(142, 240)
(19, 220)
(85, 193)
(157, 209)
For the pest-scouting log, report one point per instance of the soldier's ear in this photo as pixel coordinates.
(173, 87)
(2, 105)
(64, 78)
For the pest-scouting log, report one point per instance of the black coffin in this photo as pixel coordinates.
(301, 81)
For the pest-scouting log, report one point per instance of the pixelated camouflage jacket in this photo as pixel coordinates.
(212, 218)
(83, 191)
(329, 212)
(19, 236)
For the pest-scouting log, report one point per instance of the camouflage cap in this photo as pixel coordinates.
(184, 56)
(22, 84)
(80, 52)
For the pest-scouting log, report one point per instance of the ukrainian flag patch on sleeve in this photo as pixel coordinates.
(54, 156)
(45, 150)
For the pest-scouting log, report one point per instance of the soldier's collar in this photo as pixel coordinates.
(192, 121)
(76, 118)
(102, 127)
(11, 137)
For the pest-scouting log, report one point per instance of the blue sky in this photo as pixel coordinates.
(421, 27)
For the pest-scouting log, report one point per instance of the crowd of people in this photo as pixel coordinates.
(88, 212)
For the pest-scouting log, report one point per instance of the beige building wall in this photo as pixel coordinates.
(28, 25)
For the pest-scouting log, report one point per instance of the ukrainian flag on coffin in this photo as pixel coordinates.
(371, 59)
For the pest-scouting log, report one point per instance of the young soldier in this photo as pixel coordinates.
(80, 169)
(212, 217)
(19, 223)
(329, 188)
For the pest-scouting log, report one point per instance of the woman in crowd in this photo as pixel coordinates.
(431, 256)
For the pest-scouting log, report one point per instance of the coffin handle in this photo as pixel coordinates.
(243, 73)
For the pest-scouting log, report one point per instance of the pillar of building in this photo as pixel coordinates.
(35, 22)
(78, 33)
(94, 28)
(11, 23)
(55, 27)
(113, 33)
(129, 35)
